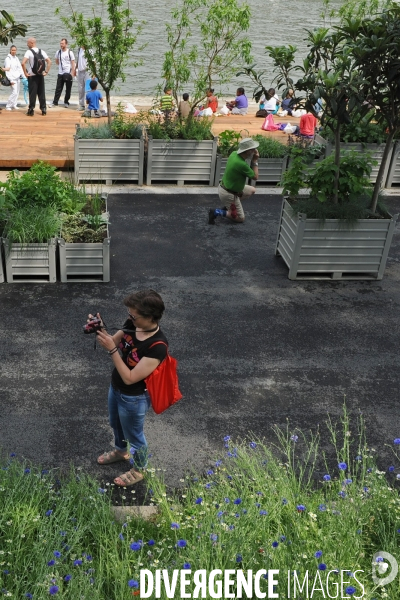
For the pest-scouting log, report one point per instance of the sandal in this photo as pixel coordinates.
(129, 478)
(111, 457)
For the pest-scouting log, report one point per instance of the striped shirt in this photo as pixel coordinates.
(166, 102)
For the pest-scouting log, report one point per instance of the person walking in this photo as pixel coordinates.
(83, 76)
(136, 351)
(36, 65)
(14, 72)
(65, 60)
(233, 186)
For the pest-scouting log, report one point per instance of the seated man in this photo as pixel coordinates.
(240, 104)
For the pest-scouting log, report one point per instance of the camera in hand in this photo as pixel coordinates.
(93, 326)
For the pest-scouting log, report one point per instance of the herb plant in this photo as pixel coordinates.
(269, 147)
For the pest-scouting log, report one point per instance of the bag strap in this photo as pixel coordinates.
(160, 342)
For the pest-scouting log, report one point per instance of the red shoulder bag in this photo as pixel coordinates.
(162, 384)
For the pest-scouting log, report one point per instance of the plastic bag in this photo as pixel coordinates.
(299, 112)
(269, 124)
(290, 128)
(129, 108)
(224, 110)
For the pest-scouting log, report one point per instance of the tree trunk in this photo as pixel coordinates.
(337, 163)
(377, 186)
(108, 102)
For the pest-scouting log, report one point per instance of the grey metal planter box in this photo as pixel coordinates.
(85, 262)
(109, 160)
(377, 153)
(313, 249)
(30, 263)
(2, 278)
(270, 170)
(181, 161)
(393, 177)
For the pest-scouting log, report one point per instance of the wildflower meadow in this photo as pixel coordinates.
(321, 520)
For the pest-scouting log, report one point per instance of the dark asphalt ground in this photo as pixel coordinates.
(253, 347)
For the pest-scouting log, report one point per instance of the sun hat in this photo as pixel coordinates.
(247, 144)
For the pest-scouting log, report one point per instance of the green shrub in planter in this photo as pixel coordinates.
(123, 127)
(269, 147)
(192, 128)
(32, 224)
(361, 129)
(87, 226)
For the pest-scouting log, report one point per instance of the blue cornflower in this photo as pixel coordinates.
(342, 466)
(207, 486)
(369, 470)
(300, 508)
(322, 507)
(244, 511)
(365, 489)
(133, 583)
(398, 531)
(318, 554)
(358, 457)
(396, 441)
(284, 501)
(322, 567)
(48, 513)
(45, 472)
(239, 558)
(121, 537)
(27, 471)
(51, 563)
(63, 533)
(57, 554)
(68, 578)
(253, 445)
(218, 463)
(199, 500)
(132, 450)
(237, 501)
(283, 538)
(101, 491)
(220, 514)
(151, 543)
(258, 505)
(28, 595)
(379, 559)
(342, 494)
(13, 454)
(347, 481)
(187, 565)
(53, 590)
(391, 469)
(237, 515)
(210, 472)
(78, 562)
(232, 527)
(213, 537)
(89, 558)
(350, 590)
(229, 477)
(175, 526)
(294, 438)
(226, 500)
(227, 438)
(263, 513)
(181, 543)
(135, 546)
(327, 477)
(275, 544)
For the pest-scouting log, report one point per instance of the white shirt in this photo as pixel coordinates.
(29, 55)
(12, 62)
(82, 62)
(65, 59)
(271, 103)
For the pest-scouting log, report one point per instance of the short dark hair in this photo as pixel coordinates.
(93, 84)
(185, 96)
(240, 90)
(65, 40)
(271, 92)
(148, 303)
(167, 89)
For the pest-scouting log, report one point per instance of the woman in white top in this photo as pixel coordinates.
(271, 105)
(14, 72)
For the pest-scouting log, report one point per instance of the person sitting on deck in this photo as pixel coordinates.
(287, 102)
(307, 126)
(93, 99)
(271, 105)
(240, 104)
(184, 106)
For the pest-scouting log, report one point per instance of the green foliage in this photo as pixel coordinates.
(9, 29)
(32, 224)
(354, 192)
(84, 228)
(206, 42)
(124, 127)
(94, 132)
(110, 41)
(41, 186)
(198, 128)
(360, 129)
(269, 147)
(228, 142)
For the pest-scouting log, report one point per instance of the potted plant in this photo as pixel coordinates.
(32, 203)
(180, 150)
(84, 243)
(338, 230)
(110, 152)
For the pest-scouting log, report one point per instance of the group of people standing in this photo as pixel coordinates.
(35, 66)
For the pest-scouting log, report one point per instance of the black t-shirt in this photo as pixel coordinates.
(132, 350)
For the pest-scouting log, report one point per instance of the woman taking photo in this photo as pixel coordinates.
(135, 354)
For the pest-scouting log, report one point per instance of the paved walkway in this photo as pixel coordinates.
(253, 347)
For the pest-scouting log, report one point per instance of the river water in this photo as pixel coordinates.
(273, 23)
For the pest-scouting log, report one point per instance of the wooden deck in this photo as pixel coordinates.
(24, 140)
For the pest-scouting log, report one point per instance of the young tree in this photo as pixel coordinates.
(107, 44)
(206, 43)
(9, 29)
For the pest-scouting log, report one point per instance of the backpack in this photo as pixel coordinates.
(69, 55)
(162, 383)
(39, 62)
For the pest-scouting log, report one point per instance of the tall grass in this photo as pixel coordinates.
(286, 507)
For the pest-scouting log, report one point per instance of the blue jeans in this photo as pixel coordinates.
(127, 415)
